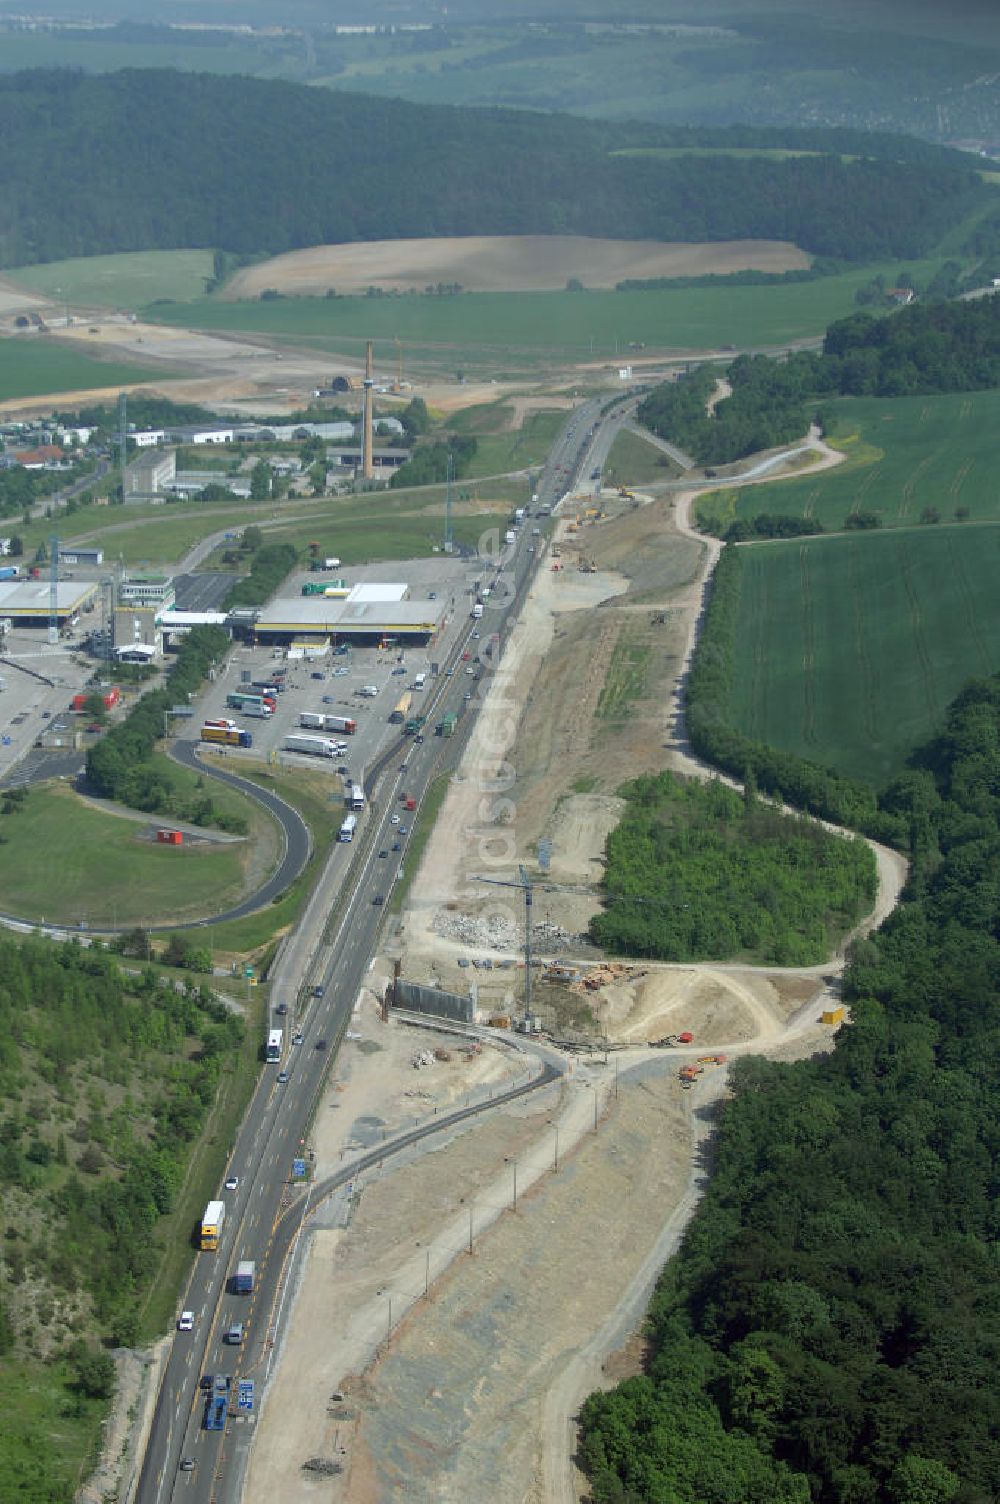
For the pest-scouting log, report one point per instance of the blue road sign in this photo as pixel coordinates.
(298, 1168)
(245, 1401)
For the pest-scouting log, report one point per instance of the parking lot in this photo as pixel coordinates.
(333, 684)
(30, 708)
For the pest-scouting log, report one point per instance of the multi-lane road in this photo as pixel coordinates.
(332, 949)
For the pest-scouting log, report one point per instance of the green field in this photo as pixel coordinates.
(127, 280)
(849, 649)
(68, 863)
(633, 461)
(536, 324)
(902, 455)
(35, 366)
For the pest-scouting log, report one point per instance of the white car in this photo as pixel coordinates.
(186, 1323)
(394, 820)
(232, 1182)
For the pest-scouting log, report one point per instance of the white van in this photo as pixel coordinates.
(370, 690)
(420, 681)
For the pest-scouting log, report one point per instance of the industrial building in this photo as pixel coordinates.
(27, 603)
(150, 474)
(371, 613)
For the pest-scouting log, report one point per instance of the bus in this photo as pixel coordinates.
(273, 1052)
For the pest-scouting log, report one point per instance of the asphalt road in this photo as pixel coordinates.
(265, 1212)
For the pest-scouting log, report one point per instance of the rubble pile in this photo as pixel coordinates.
(500, 932)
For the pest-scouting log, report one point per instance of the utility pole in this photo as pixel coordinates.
(367, 461)
(54, 588)
(122, 438)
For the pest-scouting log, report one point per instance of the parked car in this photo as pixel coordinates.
(316, 674)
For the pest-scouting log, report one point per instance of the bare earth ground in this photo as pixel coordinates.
(506, 263)
(481, 1381)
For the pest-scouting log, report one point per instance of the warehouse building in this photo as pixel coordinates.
(370, 614)
(26, 603)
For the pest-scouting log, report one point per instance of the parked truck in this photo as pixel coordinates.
(312, 746)
(211, 1225)
(348, 826)
(342, 723)
(227, 736)
(251, 704)
(447, 726)
(243, 1282)
(356, 798)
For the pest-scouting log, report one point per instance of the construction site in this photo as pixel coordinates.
(482, 1290)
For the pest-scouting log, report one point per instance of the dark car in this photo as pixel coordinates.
(383, 853)
(316, 674)
(397, 845)
(207, 1381)
(378, 900)
(321, 1044)
(328, 700)
(318, 990)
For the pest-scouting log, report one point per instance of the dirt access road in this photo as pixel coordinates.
(424, 1398)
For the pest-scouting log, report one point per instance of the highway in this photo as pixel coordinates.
(332, 946)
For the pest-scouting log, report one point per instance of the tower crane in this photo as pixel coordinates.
(527, 888)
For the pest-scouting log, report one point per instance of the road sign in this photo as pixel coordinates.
(245, 1401)
(298, 1168)
(248, 971)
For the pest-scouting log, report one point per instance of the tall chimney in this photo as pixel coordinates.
(367, 467)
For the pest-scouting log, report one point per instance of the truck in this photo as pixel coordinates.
(242, 701)
(357, 795)
(518, 514)
(315, 720)
(414, 725)
(9, 571)
(342, 723)
(211, 1225)
(314, 587)
(447, 726)
(259, 708)
(216, 1406)
(477, 611)
(419, 681)
(269, 687)
(348, 826)
(313, 746)
(227, 736)
(510, 536)
(243, 1282)
(402, 709)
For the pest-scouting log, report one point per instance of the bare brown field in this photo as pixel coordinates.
(506, 263)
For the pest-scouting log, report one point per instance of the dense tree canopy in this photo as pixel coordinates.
(292, 166)
(696, 872)
(830, 1328)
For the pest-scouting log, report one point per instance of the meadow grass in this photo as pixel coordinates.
(126, 280)
(34, 366)
(70, 863)
(633, 461)
(902, 455)
(850, 649)
(536, 324)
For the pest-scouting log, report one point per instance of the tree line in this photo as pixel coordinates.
(925, 348)
(120, 765)
(290, 168)
(828, 1331)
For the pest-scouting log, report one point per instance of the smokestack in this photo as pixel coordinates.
(367, 467)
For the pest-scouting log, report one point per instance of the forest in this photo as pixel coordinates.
(106, 1079)
(293, 166)
(829, 1329)
(696, 871)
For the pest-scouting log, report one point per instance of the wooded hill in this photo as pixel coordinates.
(156, 159)
(829, 1331)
